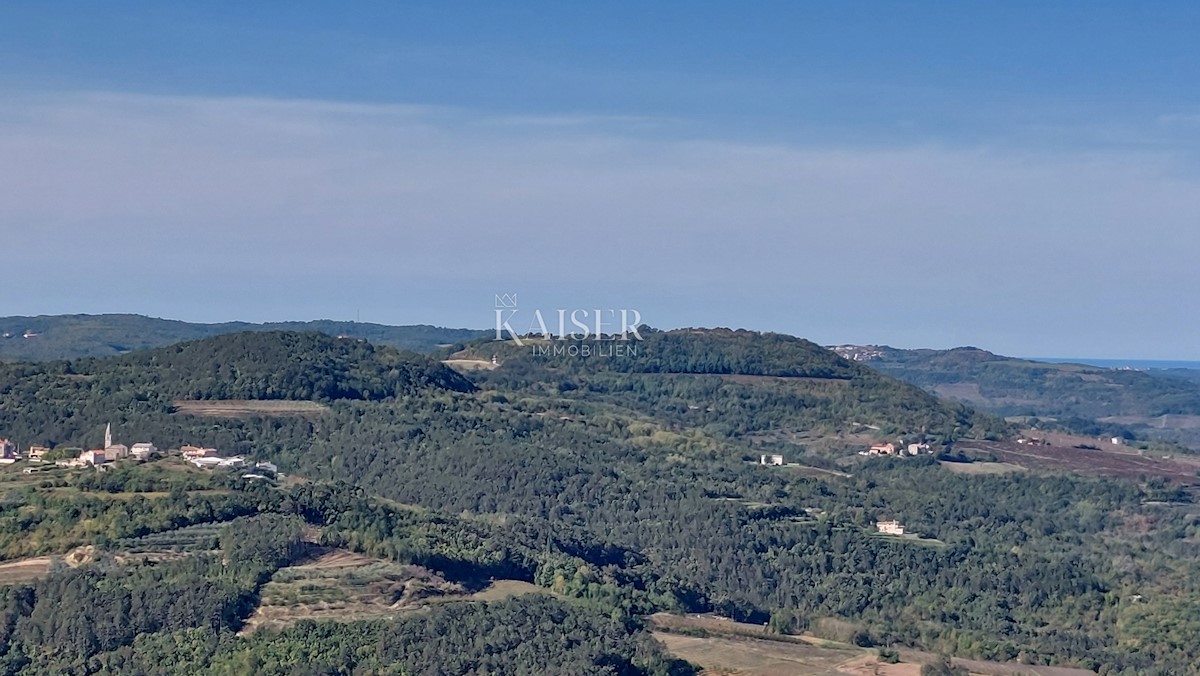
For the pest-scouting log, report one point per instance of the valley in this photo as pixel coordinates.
(621, 490)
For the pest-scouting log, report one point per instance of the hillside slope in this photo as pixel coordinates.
(737, 382)
(633, 483)
(1090, 398)
(68, 401)
(73, 336)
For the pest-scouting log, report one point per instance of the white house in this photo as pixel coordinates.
(768, 459)
(890, 527)
(212, 461)
(143, 451)
(193, 452)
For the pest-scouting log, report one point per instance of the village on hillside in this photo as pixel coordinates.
(42, 459)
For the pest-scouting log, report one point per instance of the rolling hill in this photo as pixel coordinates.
(1089, 399)
(72, 336)
(629, 483)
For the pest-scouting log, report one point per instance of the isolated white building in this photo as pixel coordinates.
(890, 527)
(918, 449)
(212, 461)
(768, 459)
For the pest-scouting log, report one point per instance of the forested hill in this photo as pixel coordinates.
(280, 365)
(1097, 398)
(693, 350)
(64, 401)
(72, 336)
(741, 381)
(630, 486)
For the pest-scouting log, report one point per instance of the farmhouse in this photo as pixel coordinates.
(193, 452)
(7, 449)
(95, 457)
(882, 449)
(768, 459)
(143, 451)
(36, 452)
(890, 527)
(212, 461)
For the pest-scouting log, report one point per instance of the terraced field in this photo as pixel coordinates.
(338, 585)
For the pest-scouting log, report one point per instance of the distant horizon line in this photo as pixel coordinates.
(1104, 362)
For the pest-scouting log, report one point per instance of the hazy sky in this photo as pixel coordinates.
(1006, 175)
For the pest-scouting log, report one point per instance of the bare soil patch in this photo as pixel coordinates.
(1122, 463)
(25, 570)
(506, 589)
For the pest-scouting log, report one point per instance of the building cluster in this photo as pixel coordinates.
(897, 449)
(858, 352)
(111, 452)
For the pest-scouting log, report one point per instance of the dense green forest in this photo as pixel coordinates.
(625, 485)
(74, 336)
(179, 616)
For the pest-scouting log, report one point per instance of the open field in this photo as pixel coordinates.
(751, 380)
(1107, 462)
(981, 467)
(1170, 422)
(720, 655)
(722, 646)
(506, 589)
(25, 570)
(470, 364)
(241, 408)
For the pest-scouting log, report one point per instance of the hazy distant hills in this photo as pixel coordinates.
(72, 336)
(1164, 404)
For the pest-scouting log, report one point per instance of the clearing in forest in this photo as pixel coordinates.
(241, 408)
(339, 585)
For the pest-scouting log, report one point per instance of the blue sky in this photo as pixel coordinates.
(1018, 176)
